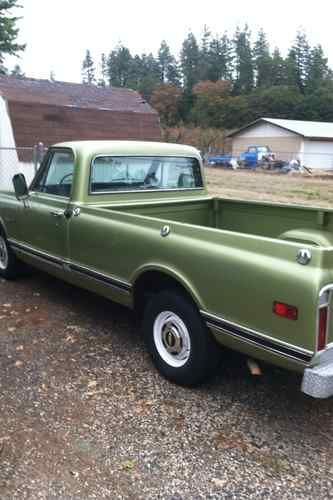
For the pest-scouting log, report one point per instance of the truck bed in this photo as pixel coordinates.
(301, 224)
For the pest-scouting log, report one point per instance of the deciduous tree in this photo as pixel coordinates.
(165, 99)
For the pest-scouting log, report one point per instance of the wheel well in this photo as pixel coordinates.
(152, 282)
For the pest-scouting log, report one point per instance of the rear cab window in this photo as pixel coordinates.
(125, 173)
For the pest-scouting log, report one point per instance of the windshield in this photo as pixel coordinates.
(110, 173)
(263, 149)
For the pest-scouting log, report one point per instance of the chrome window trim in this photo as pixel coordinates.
(45, 165)
(145, 191)
(126, 191)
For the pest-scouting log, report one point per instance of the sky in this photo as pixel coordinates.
(57, 33)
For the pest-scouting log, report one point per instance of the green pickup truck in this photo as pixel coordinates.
(133, 221)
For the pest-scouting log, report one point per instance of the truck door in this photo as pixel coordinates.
(43, 222)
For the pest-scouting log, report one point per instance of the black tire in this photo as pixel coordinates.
(10, 266)
(200, 360)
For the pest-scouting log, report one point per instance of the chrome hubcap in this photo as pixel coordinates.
(172, 339)
(3, 254)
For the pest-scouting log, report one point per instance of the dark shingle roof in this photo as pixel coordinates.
(75, 95)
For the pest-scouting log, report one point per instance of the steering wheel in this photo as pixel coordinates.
(65, 177)
(150, 180)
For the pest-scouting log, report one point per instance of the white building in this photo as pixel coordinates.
(310, 142)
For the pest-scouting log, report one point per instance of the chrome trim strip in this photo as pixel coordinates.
(94, 193)
(36, 253)
(327, 288)
(256, 338)
(72, 266)
(91, 273)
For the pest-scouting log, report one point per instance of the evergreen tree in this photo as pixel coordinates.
(278, 69)
(299, 60)
(262, 61)
(169, 72)
(165, 58)
(227, 58)
(220, 58)
(204, 55)
(190, 58)
(8, 30)
(244, 78)
(173, 74)
(291, 71)
(136, 72)
(17, 71)
(150, 75)
(318, 70)
(88, 69)
(299, 86)
(102, 82)
(119, 66)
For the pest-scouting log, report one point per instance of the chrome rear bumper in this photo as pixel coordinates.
(318, 380)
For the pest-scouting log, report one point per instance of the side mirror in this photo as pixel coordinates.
(20, 187)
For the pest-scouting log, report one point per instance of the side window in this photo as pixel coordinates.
(57, 177)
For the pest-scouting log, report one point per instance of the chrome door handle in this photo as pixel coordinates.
(56, 214)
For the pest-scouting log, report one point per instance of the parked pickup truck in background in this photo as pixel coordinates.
(251, 158)
(133, 222)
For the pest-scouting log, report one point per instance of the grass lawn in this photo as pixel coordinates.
(316, 190)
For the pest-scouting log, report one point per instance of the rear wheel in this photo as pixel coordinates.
(180, 344)
(9, 264)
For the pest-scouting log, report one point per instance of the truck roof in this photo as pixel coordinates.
(137, 148)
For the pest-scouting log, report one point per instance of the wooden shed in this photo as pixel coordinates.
(50, 112)
(34, 111)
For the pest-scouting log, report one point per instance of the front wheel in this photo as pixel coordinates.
(9, 265)
(180, 344)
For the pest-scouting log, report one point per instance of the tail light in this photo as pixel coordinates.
(323, 320)
(322, 328)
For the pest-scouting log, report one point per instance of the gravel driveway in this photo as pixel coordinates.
(84, 415)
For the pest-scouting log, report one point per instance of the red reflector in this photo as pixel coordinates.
(321, 343)
(285, 310)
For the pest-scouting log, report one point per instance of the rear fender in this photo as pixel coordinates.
(175, 274)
